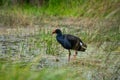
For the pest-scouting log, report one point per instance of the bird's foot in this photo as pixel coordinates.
(74, 57)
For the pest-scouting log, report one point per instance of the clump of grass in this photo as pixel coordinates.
(16, 72)
(79, 8)
(28, 15)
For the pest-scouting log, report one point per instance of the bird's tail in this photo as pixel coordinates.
(83, 47)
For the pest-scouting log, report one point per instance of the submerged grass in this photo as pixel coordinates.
(31, 65)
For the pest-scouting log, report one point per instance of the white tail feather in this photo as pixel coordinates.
(81, 43)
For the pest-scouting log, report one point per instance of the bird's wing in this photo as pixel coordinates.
(72, 38)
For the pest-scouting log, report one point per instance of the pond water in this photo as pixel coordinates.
(33, 45)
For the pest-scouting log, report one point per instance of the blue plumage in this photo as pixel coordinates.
(63, 41)
(70, 42)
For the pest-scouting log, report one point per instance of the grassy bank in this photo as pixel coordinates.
(27, 14)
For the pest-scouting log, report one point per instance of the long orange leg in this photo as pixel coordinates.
(69, 55)
(75, 54)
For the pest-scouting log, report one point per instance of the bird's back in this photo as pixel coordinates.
(76, 43)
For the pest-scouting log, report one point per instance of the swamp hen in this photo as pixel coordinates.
(70, 42)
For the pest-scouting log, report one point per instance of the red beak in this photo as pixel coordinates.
(53, 32)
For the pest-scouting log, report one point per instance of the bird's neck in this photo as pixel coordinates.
(60, 34)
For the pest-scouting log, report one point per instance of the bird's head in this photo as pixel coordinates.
(57, 31)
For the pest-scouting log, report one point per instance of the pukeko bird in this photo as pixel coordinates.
(70, 42)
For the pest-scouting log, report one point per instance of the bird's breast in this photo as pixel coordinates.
(64, 42)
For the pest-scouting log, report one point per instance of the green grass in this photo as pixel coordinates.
(15, 72)
(27, 14)
(90, 67)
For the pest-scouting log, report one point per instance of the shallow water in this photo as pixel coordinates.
(29, 45)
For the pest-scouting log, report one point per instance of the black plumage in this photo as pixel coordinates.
(70, 42)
